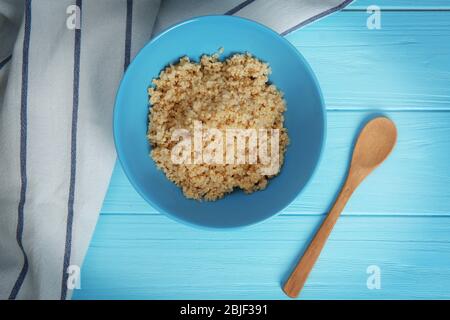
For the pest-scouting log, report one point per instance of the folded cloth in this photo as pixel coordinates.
(60, 65)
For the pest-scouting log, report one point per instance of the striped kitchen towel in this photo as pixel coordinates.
(60, 65)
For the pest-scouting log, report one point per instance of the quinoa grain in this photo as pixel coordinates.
(233, 93)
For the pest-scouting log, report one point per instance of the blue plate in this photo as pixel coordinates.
(304, 119)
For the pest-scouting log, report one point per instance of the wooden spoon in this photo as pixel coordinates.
(374, 144)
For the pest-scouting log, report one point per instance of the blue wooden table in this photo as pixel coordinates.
(397, 221)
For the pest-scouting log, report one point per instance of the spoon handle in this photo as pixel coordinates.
(299, 275)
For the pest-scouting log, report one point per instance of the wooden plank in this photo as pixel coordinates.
(151, 257)
(401, 4)
(415, 179)
(403, 66)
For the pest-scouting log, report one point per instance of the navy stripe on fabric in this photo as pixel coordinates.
(73, 156)
(316, 17)
(128, 32)
(238, 7)
(5, 61)
(23, 150)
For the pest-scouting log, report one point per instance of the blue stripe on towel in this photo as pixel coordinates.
(5, 61)
(23, 149)
(238, 7)
(342, 5)
(73, 156)
(128, 30)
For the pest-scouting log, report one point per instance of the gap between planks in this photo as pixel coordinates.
(350, 214)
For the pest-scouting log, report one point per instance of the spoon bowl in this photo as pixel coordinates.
(375, 143)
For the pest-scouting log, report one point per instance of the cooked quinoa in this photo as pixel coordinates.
(233, 93)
